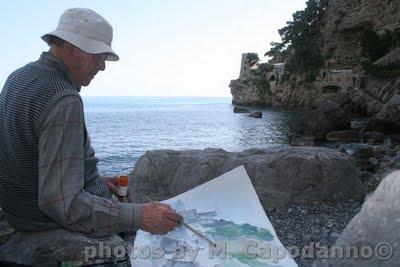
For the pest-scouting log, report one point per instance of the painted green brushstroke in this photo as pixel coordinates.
(231, 230)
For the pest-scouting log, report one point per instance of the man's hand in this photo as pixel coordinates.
(158, 218)
(112, 184)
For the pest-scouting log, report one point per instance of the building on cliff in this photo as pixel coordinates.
(336, 81)
(252, 88)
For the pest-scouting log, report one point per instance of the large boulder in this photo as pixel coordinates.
(257, 114)
(280, 175)
(389, 59)
(328, 117)
(6, 231)
(299, 140)
(364, 104)
(376, 226)
(240, 110)
(388, 118)
(60, 247)
(343, 136)
(343, 99)
(373, 137)
(391, 110)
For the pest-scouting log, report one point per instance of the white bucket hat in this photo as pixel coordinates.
(87, 30)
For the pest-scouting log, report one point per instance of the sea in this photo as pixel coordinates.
(123, 128)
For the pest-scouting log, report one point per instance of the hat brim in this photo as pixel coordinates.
(88, 45)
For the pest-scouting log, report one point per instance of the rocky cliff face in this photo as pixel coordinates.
(342, 26)
(252, 87)
(344, 22)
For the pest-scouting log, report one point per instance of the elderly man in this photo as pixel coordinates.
(48, 172)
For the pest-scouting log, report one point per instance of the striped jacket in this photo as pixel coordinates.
(48, 169)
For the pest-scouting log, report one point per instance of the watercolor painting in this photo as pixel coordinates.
(224, 211)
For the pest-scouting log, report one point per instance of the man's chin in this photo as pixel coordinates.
(86, 83)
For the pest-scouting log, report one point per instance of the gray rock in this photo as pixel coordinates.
(326, 118)
(342, 150)
(383, 126)
(49, 248)
(395, 138)
(364, 153)
(343, 136)
(257, 114)
(377, 226)
(388, 118)
(299, 140)
(358, 125)
(370, 164)
(373, 137)
(389, 59)
(360, 102)
(344, 101)
(280, 175)
(391, 110)
(240, 110)
(6, 231)
(373, 107)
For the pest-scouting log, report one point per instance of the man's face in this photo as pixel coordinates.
(84, 66)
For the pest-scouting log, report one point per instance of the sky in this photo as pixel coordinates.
(166, 47)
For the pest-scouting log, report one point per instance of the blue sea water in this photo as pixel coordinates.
(124, 128)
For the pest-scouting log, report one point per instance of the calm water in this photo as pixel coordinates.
(123, 128)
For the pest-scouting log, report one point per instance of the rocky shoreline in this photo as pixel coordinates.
(375, 143)
(302, 222)
(314, 224)
(375, 162)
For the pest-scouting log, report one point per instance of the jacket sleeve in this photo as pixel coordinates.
(61, 176)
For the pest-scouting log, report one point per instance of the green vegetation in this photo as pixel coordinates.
(252, 57)
(374, 46)
(265, 67)
(300, 42)
(258, 79)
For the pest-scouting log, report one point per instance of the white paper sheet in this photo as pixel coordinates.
(227, 211)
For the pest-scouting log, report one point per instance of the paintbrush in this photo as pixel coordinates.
(188, 227)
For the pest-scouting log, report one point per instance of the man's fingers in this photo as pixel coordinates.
(112, 179)
(158, 218)
(172, 222)
(175, 217)
(162, 205)
(111, 183)
(112, 187)
(166, 206)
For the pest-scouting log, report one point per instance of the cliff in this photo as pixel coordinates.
(252, 87)
(341, 27)
(344, 22)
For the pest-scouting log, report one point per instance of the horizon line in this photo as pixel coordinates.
(151, 96)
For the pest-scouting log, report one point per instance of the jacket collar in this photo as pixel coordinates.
(52, 62)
